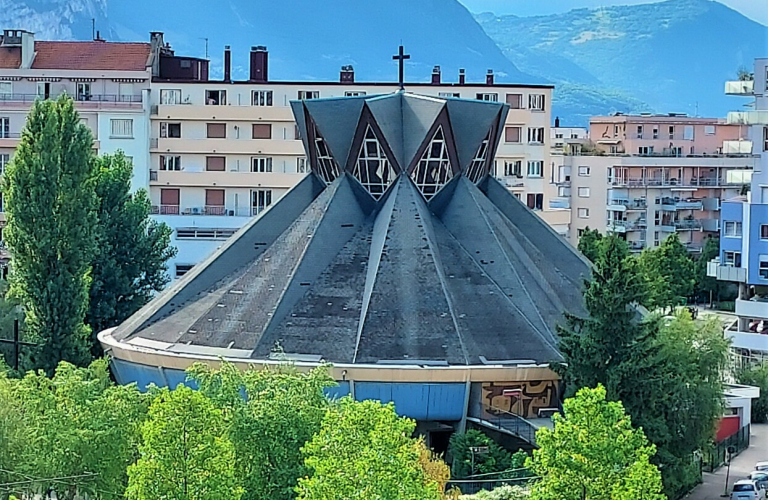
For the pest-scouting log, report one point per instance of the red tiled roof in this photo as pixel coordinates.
(91, 56)
(10, 57)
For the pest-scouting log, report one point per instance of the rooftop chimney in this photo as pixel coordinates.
(557, 122)
(259, 64)
(462, 76)
(25, 40)
(489, 77)
(227, 64)
(347, 74)
(436, 75)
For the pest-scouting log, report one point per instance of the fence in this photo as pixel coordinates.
(472, 486)
(716, 456)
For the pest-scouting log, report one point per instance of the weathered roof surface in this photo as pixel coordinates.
(92, 55)
(463, 275)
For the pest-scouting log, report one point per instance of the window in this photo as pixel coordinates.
(732, 229)
(765, 138)
(182, 269)
(639, 131)
(354, 93)
(513, 168)
(83, 91)
(185, 63)
(169, 198)
(584, 192)
(214, 201)
(764, 231)
(170, 162)
(261, 199)
(580, 232)
(261, 98)
(5, 127)
(655, 131)
(202, 233)
(536, 102)
(585, 171)
(645, 150)
(515, 101)
(449, 94)
(709, 130)
(535, 201)
(487, 96)
(215, 163)
(615, 130)
(763, 267)
(44, 90)
(512, 134)
(372, 167)
(309, 94)
(301, 165)
(261, 164)
(688, 133)
(671, 131)
(215, 97)
(262, 131)
(170, 130)
(327, 168)
(121, 128)
(434, 168)
(536, 135)
(583, 213)
(6, 90)
(732, 259)
(535, 168)
(5, 158)
(217, 130)
(170, 96)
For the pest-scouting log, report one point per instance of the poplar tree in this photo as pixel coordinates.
(50, 208)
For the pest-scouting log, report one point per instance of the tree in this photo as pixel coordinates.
(465, 463)
(594, 452)
(185, 453)
(756, 375)
(50, 208)
(363, 451)
(10, 312)
(132, 250)
(707, 286)
(281, 411)
(669, 272)
(76, 425)
(589, 243)
(435, 469)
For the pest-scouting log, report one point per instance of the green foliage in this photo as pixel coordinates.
(10, 311)
(594, 452)
(589, 243)
(185, 451)
(669, 274)
(50, 207)
(281, 411)
(496, 460)
(506, 492)
(756, 375)
(363, 451)
(132, 250)
(707, 286)
(76, 425)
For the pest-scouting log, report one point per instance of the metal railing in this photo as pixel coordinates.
(10, 135)
(635, 204)
(473, 486)
(98, 98)
(207, 210)
(716, 456)
(504, 420)
(654, 182)
(214, 210)
(687, 224)
(165, 209)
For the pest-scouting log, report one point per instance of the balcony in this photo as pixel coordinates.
(626, 226)
(726, 272)
(740, 87)
(687, 225)
(636, 246)
(673, 204)
(270, 147)
(207, 210)
(559, 203)
(10, 140)
(752, 341)
(185, 178)
(737, 147)
(626, 205)
(93, 101)
(748, 117)
(756, 307)
(227, 112)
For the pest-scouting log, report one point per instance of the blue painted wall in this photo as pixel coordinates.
(758, 215)
(417, 401)
(730, 211)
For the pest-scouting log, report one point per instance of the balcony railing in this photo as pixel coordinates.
(635, 204)
(114, 99)
(636, 246)
(740, 87)
(214, 210)
(737, 147)
(627, 225)
(726, 272)
(207, 210)
(10, 135)
(687, 224)
(671, 204)
(153, 175)
(758, 117)
(165, 209)
(655, 182)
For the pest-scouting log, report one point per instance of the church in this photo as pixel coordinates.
(398, 260)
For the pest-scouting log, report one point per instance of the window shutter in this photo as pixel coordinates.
(262, 131)
(515, 101)
(214, 197)
(512, 134)
(169, 196)
(217, 130)
(215, 163)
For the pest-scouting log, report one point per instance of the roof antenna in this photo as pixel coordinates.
(206, 47)
(93, 28)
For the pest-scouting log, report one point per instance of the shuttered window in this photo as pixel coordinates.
(217, 130)
(262, 131)
(215, 163)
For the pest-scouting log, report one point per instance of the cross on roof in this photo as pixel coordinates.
(401, 57)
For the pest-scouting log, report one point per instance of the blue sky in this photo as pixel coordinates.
(754, 9)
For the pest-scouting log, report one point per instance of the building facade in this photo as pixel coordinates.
(647, 177)
(744, 233)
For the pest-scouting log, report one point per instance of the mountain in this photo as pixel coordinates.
(673, 55)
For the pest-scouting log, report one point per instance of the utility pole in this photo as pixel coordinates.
(206, 47)
(729, 454)
(93, 28)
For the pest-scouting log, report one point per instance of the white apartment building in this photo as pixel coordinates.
(223, 151)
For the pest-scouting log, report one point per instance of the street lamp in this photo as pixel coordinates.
(729, 453)
(479, 450)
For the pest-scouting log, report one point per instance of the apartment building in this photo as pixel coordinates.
(222, 151)
(649, 176)
(744, 233)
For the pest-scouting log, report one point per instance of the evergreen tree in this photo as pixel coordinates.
(669, 272)
(589, 243)
(50, 207)
(132, 250)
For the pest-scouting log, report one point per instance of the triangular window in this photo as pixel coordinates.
(478, 168)
(326, 166)
(373, 169)
(434, 168)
